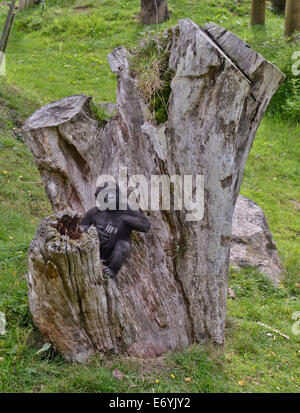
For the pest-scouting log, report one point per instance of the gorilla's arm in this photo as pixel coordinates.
(136, 220)
(88, 219)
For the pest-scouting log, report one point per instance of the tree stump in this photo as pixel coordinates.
(172, 290)
(154, 11)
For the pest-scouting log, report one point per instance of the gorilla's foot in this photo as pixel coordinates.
(108, 271)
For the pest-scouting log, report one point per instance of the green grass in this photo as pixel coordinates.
(62, 51)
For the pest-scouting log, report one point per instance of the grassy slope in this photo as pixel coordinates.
(63, 52)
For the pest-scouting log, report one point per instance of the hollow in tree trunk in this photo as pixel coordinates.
(258, 12)
(172, 290)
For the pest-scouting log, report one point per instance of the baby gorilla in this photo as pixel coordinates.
(114, 227)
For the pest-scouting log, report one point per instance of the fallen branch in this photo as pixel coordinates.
(273, 329)
(8, 26)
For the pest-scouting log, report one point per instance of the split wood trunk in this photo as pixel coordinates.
(172, 290)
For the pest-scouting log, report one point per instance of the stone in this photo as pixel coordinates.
(252, 243)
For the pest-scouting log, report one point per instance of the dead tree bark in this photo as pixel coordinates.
(292, 18)
(172, 290)
(154, 11)
(258, 12)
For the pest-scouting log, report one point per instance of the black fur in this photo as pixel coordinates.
(114, 229)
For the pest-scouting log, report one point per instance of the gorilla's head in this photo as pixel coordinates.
(109, 197)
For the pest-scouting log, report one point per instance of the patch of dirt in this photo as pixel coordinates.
(84, 7)
(147, 365)
(35, 339)
(11, 115)
(296, 204)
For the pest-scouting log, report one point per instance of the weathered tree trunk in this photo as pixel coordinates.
(292, 17)
(172, 290)
(24, 4)
(278, 5)
(258, 12)
(154, 11)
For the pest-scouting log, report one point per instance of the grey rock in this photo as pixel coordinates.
(252, 243)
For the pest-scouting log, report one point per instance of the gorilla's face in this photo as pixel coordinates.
(108, 197)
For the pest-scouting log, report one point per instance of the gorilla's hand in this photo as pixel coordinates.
(110, 229)
(102, 234)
